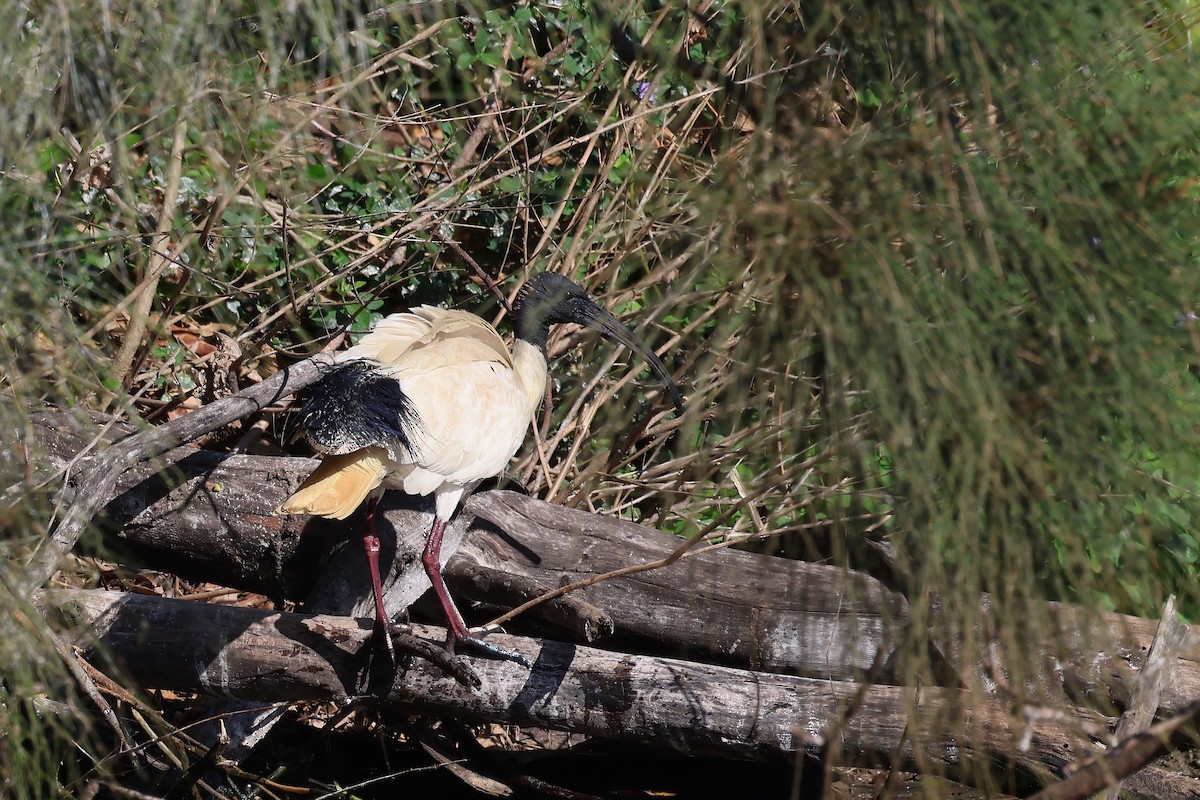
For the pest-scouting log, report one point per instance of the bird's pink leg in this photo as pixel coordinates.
(431, 559)
(371, 547)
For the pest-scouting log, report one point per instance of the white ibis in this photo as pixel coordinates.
(432, 402)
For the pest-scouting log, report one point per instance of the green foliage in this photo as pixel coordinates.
(993, 270)
(925, 264)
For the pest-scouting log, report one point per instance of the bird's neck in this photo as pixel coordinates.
(532, 310)
(529, 364)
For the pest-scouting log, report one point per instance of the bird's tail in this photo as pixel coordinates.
(338, 485)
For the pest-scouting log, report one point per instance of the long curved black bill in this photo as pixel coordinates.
(609, 326)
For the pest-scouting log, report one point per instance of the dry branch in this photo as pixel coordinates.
(1127, 758)
(98, 477)
(1170, 638)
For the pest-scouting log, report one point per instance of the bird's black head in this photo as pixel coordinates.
(550, 299)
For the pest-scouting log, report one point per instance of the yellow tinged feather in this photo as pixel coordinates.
(338, 485)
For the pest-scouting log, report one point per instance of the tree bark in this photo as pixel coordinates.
(99, 475)
(731, 607)
(208, 516)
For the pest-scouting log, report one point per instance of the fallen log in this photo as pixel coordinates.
(213, 510)
(697, 709)
(99, 474)
(776, 615)
(208, 517)
(693, 708)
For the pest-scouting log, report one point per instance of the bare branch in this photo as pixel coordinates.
(1130, 756)
(98, 478)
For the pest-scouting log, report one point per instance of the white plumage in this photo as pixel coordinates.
(473, 398)
(433, 402)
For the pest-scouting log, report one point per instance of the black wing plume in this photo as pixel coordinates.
(356, 406)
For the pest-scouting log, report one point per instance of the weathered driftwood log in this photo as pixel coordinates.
(730, 607)
(100, 472)
(693, 708)
(208, 516)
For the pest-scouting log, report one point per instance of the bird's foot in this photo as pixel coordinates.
(474, 641)
(391, 638)
(381, 634)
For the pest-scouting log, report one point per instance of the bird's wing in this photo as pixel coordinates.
(338, 485)
(458, 377)
(474, 416)
(428, 337)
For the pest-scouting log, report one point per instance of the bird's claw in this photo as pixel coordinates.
(384, 632)
(435, 654)
(475, 642)
(399, 636)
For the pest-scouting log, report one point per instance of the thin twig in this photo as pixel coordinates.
(92, 691)
(159, 259)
